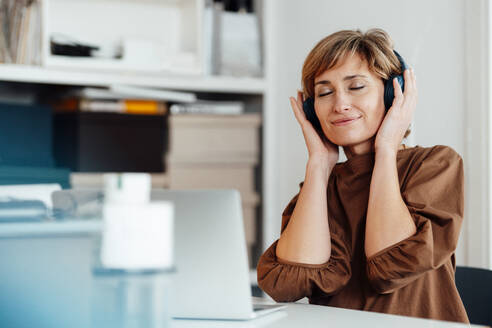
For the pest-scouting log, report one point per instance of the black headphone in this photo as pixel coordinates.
(389, 95)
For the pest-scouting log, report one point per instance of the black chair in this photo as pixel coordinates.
(475, 288)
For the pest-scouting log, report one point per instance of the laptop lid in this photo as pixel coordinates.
(212, 278)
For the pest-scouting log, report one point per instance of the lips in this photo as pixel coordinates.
(345, 121)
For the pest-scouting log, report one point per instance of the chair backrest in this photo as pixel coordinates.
(475, 288)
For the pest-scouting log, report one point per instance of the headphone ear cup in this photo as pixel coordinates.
(308, 107)
(389, 90)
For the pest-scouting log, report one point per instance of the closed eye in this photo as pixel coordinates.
(357, 88)
(325, 94)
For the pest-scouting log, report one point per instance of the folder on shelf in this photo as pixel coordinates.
(20, 175)
(128, 106)
(26, 135)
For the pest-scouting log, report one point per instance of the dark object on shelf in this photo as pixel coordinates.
(237, 5)
(475, 288)
(72, 49)
(110, 142)
(26, 135)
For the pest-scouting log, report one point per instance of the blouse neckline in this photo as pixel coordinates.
(364, 163)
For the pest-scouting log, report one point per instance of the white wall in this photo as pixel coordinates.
(429, 34)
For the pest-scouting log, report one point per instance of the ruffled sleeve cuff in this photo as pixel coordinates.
(287, 281)
(398, 265)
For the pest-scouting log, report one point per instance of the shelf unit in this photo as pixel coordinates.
(221, 87)
(77, 77)
(153, 35)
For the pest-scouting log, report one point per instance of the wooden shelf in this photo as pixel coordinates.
(196, 83)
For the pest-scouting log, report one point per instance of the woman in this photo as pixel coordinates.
(377, 232)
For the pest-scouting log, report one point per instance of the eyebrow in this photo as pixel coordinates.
(348, 77)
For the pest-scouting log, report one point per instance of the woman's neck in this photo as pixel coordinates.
(359, 149)
(362, 148)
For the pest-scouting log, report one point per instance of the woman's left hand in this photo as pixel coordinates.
(399, 116)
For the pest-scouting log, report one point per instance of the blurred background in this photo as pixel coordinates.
(195, 92)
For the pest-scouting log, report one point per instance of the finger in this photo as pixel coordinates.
(410, 94)
(298, 112)
(295, 109)
(398, 93)
(410, 87)
(409, 83)
(300, 99)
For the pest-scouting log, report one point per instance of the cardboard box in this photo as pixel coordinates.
(214, 138)
(236, 176)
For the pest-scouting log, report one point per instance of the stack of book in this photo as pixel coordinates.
(121, 99)
(218, 151)
(209, 107)
(20, 32)
(125, 106)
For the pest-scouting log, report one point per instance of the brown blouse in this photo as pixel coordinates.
(414, 277)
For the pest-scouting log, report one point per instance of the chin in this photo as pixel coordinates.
(348, 141)
(344, 142)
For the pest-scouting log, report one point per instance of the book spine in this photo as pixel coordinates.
(140, 107)
(143, 107)
(206, 109)
(87, 105)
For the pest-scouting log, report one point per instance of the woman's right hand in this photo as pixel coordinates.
(320, 149)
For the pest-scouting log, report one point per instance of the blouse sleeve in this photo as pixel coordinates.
(434, 196)
(289, 281)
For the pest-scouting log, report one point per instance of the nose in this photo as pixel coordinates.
(341, 103)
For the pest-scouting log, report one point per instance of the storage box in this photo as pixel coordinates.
(214, 138)
(110, 142)
(236, 176)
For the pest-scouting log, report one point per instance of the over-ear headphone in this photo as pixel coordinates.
(389, 94)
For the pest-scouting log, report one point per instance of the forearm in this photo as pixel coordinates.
(306, 238)
(388, 219)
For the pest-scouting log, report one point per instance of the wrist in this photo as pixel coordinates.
(320, 163)
(319, 168)
(386, 153)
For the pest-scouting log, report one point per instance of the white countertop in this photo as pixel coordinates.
(313, 316)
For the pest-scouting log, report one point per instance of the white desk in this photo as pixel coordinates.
(33, 256)
(312, 316)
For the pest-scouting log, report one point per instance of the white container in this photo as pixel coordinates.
(138, 234)
(131, 286)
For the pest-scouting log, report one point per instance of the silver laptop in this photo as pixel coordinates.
(212, 278)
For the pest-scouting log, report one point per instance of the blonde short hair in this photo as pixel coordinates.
(374, 46)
